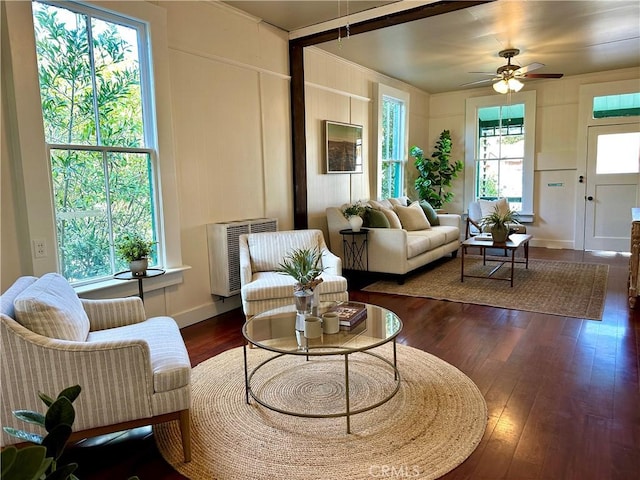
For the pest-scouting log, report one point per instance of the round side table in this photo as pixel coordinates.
(127, 275)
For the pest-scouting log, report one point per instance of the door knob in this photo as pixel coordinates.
(590, 198)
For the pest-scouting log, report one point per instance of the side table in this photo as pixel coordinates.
(127, 275)
(356, 250)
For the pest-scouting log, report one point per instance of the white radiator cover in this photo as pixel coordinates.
(224, 251)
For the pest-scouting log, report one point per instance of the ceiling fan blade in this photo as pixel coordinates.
(543, 75)
(493, 74)
(477, 82)
(529, 68)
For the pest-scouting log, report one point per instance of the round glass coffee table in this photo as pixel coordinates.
(275, 332)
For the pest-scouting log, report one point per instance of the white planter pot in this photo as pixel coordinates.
(356, 223)
(139, 267)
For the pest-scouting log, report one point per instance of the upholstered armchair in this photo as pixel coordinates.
(262, 288)
(481, 208)
(133, 371)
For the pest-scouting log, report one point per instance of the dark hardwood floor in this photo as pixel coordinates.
(563, 394)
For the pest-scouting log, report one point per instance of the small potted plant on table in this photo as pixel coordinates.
(304, 265)
(498, 222)
(136, 250)
(353, 213)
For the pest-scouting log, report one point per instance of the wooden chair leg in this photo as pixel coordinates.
(185, 430)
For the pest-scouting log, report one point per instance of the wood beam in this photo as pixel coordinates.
(296, 70)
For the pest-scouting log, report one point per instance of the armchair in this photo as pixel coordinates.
(481, 208)
(133, 371)
(262, 288)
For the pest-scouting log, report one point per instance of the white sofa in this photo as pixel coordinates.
(261, 254)
(133, 371)
(399, 250)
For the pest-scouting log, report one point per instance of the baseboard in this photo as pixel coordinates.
(550, 243)
(203, 312)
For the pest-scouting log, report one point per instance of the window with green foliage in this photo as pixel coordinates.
(393, 146)
(500, 155)
(95, 91)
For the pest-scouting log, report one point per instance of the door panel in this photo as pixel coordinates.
(610, 196)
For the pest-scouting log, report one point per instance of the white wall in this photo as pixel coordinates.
(340, 91)
(556, 158)
(229, 112)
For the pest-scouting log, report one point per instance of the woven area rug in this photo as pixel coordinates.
(432, 424)
(557, 288)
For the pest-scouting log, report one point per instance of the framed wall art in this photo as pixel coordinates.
(344, 147)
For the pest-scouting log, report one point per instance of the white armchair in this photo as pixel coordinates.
(261, 254)
(480, 209)
(133, 371)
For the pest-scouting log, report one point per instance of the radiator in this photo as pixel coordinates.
(224, 251)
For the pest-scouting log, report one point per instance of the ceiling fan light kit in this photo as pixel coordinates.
(507, 77)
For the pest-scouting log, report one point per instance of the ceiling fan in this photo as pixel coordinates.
(507, 77)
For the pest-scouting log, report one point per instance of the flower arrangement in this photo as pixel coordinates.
(354, 210)
(303, 265)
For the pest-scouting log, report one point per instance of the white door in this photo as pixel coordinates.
(613, 178)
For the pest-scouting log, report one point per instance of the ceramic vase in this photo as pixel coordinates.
(139, 267)
(356, 222)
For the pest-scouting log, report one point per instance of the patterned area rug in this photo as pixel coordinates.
(432, 424)
(556, 288)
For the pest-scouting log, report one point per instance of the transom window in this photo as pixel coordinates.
(95, 91)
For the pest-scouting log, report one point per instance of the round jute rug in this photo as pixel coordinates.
(429, 427)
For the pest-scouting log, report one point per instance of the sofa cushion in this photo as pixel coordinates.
(50, 307)
(487, 207)
(430, 212)
(170, 362)
(417, 244)
(375, 219)
(412, 217)
(269, 249)
(392, 217)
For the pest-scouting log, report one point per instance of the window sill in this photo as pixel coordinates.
(113, 288)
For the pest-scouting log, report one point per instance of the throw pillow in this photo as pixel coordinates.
(487, 207)
(392, 217)
(402, 201)
(51, 307)
(430, 212)
(412, 217)
(375, 219)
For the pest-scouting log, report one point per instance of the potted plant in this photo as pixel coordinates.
(498, 222)
(304, 265)
(436, 173)
(136, 250)
(353, 213)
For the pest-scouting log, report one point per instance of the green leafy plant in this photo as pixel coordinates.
(133, 247)
(41, 460)
(354, 210)
(437, 172)
(303, 265)
(499, 219)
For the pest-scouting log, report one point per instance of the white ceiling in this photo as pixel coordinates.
(436, 54)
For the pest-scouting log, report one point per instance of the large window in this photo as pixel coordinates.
(94, 88)
(500, 164)
(500, 153)
(392, 142)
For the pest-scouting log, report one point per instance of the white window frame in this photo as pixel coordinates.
(34, 182)
(381, 91)
(528, 98)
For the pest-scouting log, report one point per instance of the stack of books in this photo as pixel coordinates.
(350, 313)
